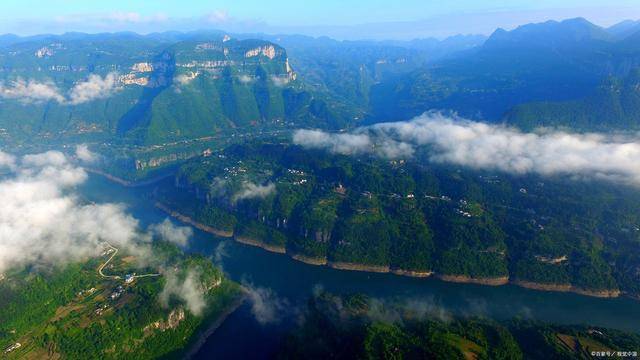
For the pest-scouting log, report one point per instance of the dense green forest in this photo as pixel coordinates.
(70, 311)
(614, 104)
(415, 217)
(161, 89)
(357, 327)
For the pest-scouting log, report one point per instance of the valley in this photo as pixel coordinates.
(228, 194)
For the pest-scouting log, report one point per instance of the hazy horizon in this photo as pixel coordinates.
(358, 20)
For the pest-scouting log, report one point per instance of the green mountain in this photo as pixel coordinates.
(550, 62)
(410, 218)
(165, 88)
(614, 105)
(624, 29)
(71, 311)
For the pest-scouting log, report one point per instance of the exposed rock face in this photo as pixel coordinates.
(412, 273)
(207, 64)
(208, 46)
(173, 321)
(142, 67)
(44, 52)
(268, 51)
(213, 284)
(359, 267)
(605, 293)
(48, 51)
(491, 281)
(291, 75)
(552, 260)
(261, 244)
(132, 79)
(155, 162)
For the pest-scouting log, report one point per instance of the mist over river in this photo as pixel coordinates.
(281, 286)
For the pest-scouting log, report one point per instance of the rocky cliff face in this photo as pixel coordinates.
(175, 317)
(161, 91)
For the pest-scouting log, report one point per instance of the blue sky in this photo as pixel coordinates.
(331, 17)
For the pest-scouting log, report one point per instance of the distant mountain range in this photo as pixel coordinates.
(173, 86)
(161, 87)
(549, 62)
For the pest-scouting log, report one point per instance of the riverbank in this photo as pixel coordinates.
(464, 279)
(613, 293)
(261, 244)
(187, 220)
(358, 267)
(347, 266)
(309, 260)
(412, 273)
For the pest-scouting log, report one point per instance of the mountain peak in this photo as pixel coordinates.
(624, 29)
(550, 33)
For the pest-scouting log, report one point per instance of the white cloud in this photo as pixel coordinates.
(85, 155)
(245, 79)
(30, 92)
(33, 92)
(346, 144)
(484, 146)
(279, 81)
(185, 79)
(266, 306)
(251, 191)
(134, 17)
(188, 290)
(167, 231)
(7, 161)
(43, 222)
(217, 17)
(95, 87)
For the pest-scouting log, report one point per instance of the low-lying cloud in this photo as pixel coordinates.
(85, 155)
(95, 87)
(346, 144)
(33, 92)
(43, 222)
(245, 79)
(266, 306)
(479, 145)
(167, 231)
(7, 161)
(252, 191)
(189, 290)
(28, 92)
(280, 81)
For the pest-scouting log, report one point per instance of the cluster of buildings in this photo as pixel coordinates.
(463, 213)
(87, 292)
(460, 211)
(234, 171)
(12, 348)
(128, 279)
(552, 260)
(408, 196)
(117, 292)
(101, 309)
